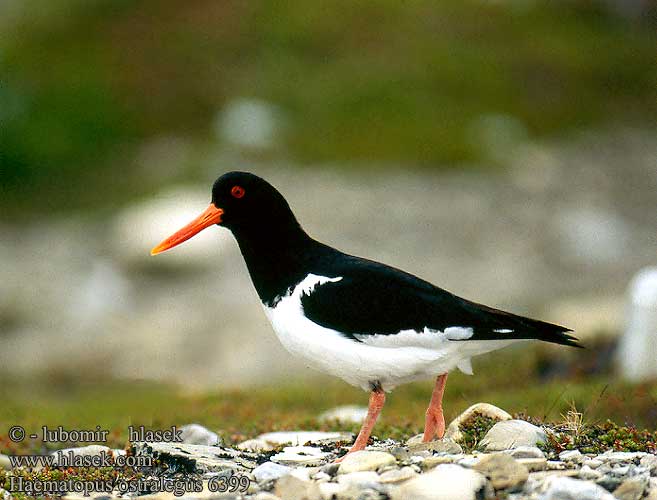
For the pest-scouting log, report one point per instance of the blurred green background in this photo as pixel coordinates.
(84, 82)
(508, 146)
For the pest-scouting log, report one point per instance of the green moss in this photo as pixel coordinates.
(600, 438)
(474, 429)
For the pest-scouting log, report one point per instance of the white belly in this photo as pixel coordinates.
(390, 360)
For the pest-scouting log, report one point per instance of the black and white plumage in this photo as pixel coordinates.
(372, 325)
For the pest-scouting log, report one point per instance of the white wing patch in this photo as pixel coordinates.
(503, 330)
(309, 283)
(411, 338)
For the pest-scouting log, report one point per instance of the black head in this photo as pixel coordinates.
(247, 205)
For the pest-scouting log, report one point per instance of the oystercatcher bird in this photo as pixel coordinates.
(372, 325)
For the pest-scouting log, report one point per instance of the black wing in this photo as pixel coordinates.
(372, 298)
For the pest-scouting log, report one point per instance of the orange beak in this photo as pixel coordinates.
(211, 216)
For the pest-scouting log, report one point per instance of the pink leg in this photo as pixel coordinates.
(434, 423)
(377, 399)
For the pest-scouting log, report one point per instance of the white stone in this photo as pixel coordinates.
(361, 479)
(525, 452)
(349, 414)
(298, 438)
(566, 488)
(487, 410)
(445, 482)
(255, 445)
(365, 460)
(571, 456)
(197, 434)
(511, 434)
(301, 455)
(249, 123)
(4, 462)
(589, 474)
(269, 471)
(638, 346)
(397, 475)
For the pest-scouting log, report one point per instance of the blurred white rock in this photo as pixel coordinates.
(140, 227)
(638, 348)
(249, 123)
(349, 414)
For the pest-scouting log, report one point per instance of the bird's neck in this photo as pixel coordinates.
(277, 257)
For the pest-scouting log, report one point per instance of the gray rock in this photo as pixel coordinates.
(301, 455)
(269, 471)
(650, 463)
(433, 461)
(593, 463)
(349, 414)
(511, 434)
(398, 475)
(445, 482)
(444, 445)
(290, 487)
(503, 471)
(255, 445)
(631, 489)
(533, 464)
(525, 452)
(365, 460)
(194, 457)
(566, 488)
(556, 465)
(622, 456)
(587, 473)
(571, 456)
(197, 434)
(453, 430)
(4, 462)
(361, 479)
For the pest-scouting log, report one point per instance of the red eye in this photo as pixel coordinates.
(237, 191)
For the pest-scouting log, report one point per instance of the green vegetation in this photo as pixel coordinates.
(507, 379)
(84, 84)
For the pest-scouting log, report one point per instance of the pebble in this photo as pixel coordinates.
(512, 434)
(301, 455)
(631, 489)
(264, 495)
(567, 488)
(432, 461)
(255, 445)
(269, 471)
(453, 430)
(197, 434)
(398, 475)
(445, 482)
(365, 460)
(571, 456)
(4, 462)
(533, 464)
(362, 479)
(445, 445)
(593, 463)
(650, 463)
(503, 471)
(348, 414)
(293, 488)
(556, 465)
(526, 452)
(590, 474)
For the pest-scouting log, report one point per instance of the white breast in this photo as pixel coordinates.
(388, 359)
